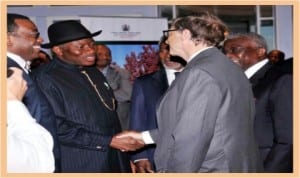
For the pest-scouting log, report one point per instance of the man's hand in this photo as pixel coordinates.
(131, 133)
(126, 143)
(143, 166)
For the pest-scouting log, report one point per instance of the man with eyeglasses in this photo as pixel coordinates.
(23, 45)
(272, 88)
(205, 118)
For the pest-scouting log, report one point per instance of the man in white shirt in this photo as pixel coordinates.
(272, 89)
(29, 145)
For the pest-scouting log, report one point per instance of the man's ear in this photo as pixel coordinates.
(57, 50)
(186, 34)
(261, 52)
(9, 40)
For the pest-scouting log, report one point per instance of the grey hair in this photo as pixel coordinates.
(259, 40)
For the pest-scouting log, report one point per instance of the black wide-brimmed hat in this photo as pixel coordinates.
(66, 31)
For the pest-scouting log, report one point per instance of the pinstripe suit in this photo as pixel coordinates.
(85, 124)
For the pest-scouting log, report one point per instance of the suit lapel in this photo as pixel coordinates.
(260, 81)
(162, 85)
(31, 98)
(161, 81)
(12, 63)
(260, 74)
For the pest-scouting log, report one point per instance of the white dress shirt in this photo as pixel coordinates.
(29, 145)
(170, 75)
(19, 60)
(253, 69)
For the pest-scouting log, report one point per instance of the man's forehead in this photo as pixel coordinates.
(102, 47)
(239, 41)
(26, 24)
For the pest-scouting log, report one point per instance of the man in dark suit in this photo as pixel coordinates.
(205, 119)
(272, 87)
(275, 56)
(23, 45)
(147, 90)
(83, 103)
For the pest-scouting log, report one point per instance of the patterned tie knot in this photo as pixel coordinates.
(27, 66)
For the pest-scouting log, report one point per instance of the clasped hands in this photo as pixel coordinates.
(127, 141)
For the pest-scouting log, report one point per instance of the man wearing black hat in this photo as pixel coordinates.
(83, 103)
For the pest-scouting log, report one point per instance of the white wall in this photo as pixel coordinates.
(41, 14)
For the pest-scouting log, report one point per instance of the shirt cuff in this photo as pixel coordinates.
(147, 138)
(137, 160)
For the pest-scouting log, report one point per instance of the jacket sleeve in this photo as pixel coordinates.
(29, 145)
(280, 158)
(138, 117)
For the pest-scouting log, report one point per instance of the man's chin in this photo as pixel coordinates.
(90, 63)
(34, 56)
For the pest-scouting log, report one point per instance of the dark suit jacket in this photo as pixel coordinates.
(85, 124)
(205, 119)
(147, 91)
(40, 109)
(272, 88)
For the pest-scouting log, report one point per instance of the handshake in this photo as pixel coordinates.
(127, 141)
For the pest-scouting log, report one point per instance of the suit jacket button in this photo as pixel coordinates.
(99, 147)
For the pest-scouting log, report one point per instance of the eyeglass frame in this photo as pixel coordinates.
(166, 32)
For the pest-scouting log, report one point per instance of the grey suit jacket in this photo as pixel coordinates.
(118, 80)
(205, 120)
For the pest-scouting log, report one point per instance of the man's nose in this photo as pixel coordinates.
(40, 40)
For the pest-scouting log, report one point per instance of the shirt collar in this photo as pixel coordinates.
(198, 52)
(253, 69)
(104, 70)
(170, 74)
(19, 60)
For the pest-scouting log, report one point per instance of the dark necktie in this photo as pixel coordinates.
(176, 74)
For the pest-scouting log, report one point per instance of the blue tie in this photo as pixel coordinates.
(176, 74)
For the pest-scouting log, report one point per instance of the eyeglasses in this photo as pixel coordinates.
(31, 35)
(166, 32)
